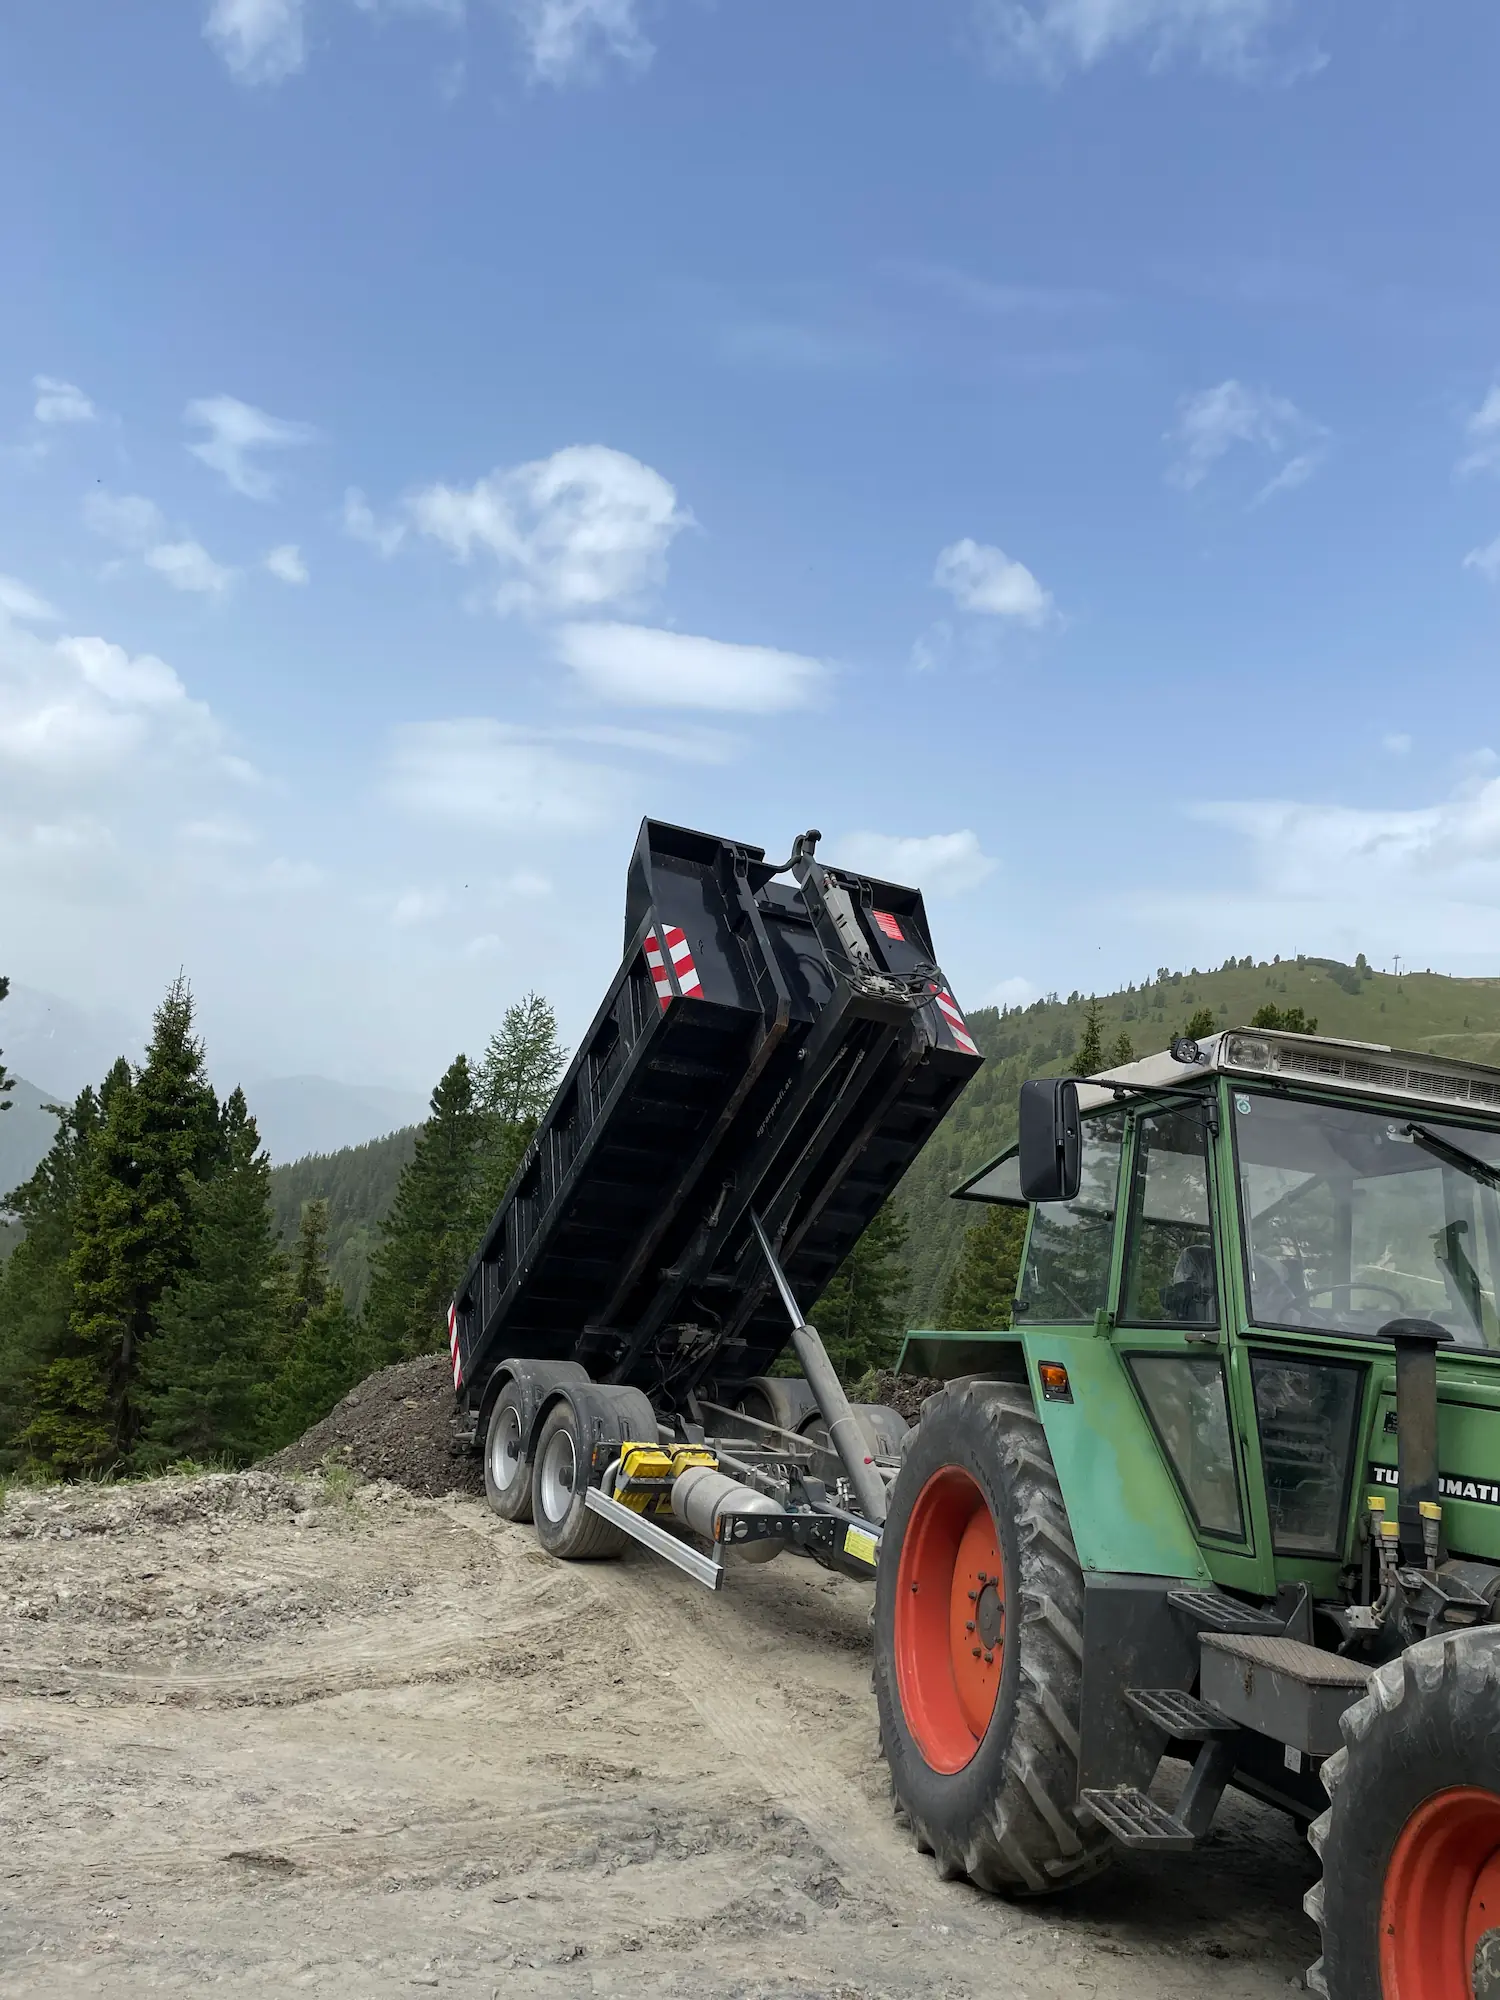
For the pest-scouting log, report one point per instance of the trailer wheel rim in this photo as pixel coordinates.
(506, 1462)
(950, 1619)
(559, 1475)
(1440, 1912)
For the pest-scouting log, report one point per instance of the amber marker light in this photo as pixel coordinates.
(1054, 1380)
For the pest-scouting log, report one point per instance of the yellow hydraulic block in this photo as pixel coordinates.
(644, 1481)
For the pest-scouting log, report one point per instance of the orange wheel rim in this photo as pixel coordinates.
(1440, 1914)
(950, 1619)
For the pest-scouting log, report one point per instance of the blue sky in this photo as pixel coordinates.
(1051, 445)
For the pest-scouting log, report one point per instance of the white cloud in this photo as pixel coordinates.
(1483, 430)
(18, 602)
(132, 522)
(584, 529)
(568, 40)
(1397, 742)
(1212, 422)
(643, 668)
(235, 431)
(687, 745)
(128, 519)
(988, 581)
(1485, 560)
(941, 864)
(60, 402)
(418, 906)
(286, 563)
(361, 525)
(261, 41)
(1014, 992)
(78, 710)
(1424, 878)
(483, 773)
(1053, 36)
(188, 566)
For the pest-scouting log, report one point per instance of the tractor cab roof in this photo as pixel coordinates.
(1365, 1069)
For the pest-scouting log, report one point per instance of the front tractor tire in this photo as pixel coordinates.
(1409, 1903)
(979, 1648)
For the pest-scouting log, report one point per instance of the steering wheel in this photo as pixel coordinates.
(1359, 1285)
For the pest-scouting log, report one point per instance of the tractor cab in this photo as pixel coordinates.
(1249, 1223)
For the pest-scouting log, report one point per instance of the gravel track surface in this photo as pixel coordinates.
(270, 1735)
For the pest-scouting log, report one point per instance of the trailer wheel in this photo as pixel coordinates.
(978, 1648)
(559, 1481)
(507, 1469)
(1409, 1903)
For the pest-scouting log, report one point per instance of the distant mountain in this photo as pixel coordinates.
(66, 1046)
(26, 1131)
(299, 1115)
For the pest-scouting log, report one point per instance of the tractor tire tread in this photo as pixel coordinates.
(1029, 1841)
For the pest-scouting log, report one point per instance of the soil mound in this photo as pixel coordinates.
(903, 1393)
(400, 1424)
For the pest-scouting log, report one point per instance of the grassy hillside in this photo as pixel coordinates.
(359, 1185)
(1420, 1010)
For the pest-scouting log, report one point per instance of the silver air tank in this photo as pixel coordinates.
(701, 1496)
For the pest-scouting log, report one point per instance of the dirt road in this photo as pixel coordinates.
(278, 1736)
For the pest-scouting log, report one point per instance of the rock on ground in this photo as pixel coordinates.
(400, 1424)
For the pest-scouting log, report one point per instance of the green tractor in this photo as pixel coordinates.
(1227, 1491)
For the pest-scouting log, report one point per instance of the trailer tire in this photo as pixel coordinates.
(982, 1740)
(507, 1468)
(559, 1480)
(1409, 1902)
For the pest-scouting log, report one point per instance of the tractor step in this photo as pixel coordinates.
(1217, 1613)
(1290, 1692)
(1137, 1821)
(1181, 1716)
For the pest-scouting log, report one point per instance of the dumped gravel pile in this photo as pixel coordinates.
(400, 1424)
(903, 1393)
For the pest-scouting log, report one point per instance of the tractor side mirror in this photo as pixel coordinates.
(1051, 1146)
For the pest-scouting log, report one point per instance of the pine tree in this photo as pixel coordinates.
(513, 1086)
(1123, 1051)
(860, 1315)
(36, 1283)
(319, 1353)
(133, 1242)
(1090, 1057)
(205, 1365)
(980, 1293)
(1202, 1023)
(428, 1237)
(1291, 1019)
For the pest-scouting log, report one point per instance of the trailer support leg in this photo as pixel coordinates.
(843, 1426)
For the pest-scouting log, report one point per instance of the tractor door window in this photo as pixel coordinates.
(1066, 1280)
(1169, 1269)
(1188, 1403)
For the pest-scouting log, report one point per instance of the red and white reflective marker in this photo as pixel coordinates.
(948, 1007)
(658, 967)
(680, 953)
(458, 1371)
(890, 926)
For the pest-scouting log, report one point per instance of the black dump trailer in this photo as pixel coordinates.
(777, 1046)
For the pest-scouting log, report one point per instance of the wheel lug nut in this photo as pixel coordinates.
(989, 1659)
(976, 1652)
(970, 1626)
(973, 1595)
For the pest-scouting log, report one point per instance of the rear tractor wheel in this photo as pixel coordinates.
(979, 1650)
(1409, 1903)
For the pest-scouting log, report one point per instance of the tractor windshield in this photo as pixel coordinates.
(1354, 1218)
